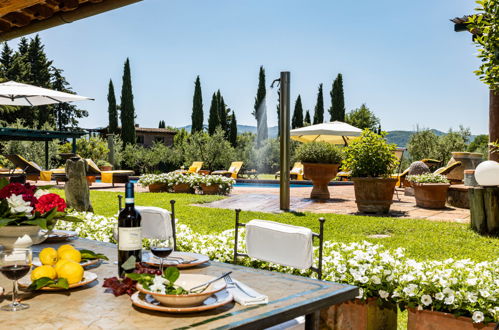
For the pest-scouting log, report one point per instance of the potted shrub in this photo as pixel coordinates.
(155, 182)
(27, 214)
(182, 183)
(320, 161)
(449, 294)
(372, 161)
(215, 184)
(430, 190)
(104, 165)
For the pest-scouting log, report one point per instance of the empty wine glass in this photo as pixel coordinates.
(14, 264)
(162, 248)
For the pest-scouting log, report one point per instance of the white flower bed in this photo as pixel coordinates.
(193, 180)
(461, 287)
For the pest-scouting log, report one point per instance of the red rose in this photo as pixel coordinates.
(48, 202)
(16, 189)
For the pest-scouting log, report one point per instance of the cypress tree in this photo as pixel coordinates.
(197, 108)
(319, 107)
(127, 108)
(213, 120)
(222, 113)
(337, 110)
(112, 109)
(297, 120)
(233, 130)
(162, 124)
(307, 121)
(260, 111)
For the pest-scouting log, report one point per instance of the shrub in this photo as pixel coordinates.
(319, 152)
(428, 178)
(94, 148)
(370, 156)
(148, 179)
(216, 152)
(158, 158)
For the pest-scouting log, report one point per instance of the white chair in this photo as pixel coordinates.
(285, 245)
(156, 223)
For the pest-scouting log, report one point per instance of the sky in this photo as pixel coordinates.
(402, 58)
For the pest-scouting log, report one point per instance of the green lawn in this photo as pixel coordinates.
(423, 239)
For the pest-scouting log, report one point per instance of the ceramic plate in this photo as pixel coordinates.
(188, 259)
(88, 277)
(85, 263)
(60, 236)
(146, 301)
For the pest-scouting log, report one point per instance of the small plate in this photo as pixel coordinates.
(146, 301)
(88, 277)
(191, 259)
(60, 236)
(36, 262)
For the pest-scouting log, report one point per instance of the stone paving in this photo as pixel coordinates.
(265, 199)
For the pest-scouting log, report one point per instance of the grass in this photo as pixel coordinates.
(422, 239)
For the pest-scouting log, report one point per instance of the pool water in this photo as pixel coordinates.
(269, 185)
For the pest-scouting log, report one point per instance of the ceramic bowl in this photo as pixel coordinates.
(21, 236)
(188, 281)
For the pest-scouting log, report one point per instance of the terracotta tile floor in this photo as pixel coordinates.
(342, 202)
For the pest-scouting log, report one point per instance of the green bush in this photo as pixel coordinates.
(94, 148)
(216, 152)
(319, 152)
(158, 158)
(370, 156)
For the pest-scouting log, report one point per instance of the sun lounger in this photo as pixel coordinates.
(296, 172)
(232, 172)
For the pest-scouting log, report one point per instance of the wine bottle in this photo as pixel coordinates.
(129, 234)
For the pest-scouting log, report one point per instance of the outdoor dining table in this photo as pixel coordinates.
(93, 307)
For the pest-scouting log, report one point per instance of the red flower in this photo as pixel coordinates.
(48, 202)
(26, 190)
(16, 189)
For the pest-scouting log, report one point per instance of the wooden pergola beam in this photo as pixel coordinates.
(9, 6)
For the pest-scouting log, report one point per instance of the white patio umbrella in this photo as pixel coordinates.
(17, 94)
(335, 132)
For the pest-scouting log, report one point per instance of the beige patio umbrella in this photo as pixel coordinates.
(335, 132)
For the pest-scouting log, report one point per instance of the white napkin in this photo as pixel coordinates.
(243, 299)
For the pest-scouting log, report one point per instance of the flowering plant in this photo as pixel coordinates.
(148, 179)
(24, 204)
(225, 184)
(428, 178)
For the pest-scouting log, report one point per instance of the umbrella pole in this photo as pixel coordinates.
(46, 155)
(284, 103)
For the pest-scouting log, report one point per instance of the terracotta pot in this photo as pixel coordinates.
(320, 174)
(158, 187)
(106, 168)
(359, 315)
(213, 189)
(430, 320)
(431, 195)
(182, 188)
(21, 236)
(374, 195)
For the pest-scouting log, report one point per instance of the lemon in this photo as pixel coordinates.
(64, 247)
(70, 254)
(59, 264)
(71, 271)
(43, 271)
(48, 256)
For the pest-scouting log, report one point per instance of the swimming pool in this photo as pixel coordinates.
(268, 185)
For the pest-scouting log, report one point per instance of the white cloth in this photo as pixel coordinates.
(156, 222)
(279, 243)
(243, 299)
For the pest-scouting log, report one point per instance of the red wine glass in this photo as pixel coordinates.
(14, 264)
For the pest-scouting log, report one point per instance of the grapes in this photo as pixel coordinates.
(127, 285)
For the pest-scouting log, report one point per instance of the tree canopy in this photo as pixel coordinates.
(363, 118)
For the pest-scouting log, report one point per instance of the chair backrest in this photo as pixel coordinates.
(92, 169)
(447, 169)
(280, 243)
(156, 223)
(195, 167)
(399, 153)
(25, 165)
(297, 168)
(234, 168)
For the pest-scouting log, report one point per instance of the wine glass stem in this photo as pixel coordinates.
(14, 293)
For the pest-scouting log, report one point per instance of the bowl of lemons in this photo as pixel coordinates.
(59, 270)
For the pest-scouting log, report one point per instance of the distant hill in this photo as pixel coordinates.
(400, 138)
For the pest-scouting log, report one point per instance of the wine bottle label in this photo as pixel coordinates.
(129, 238)
(129, 200)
